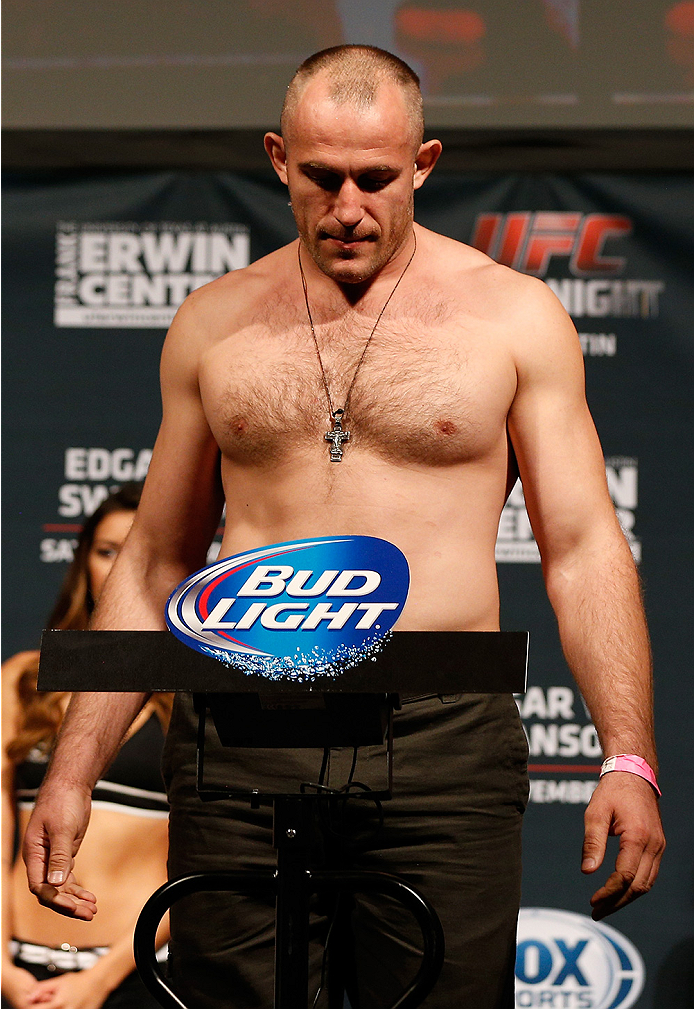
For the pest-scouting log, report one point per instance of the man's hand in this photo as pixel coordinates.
(623, 805)
(52, 839)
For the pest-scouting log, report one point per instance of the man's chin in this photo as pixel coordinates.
(349, 272)
(351, 269)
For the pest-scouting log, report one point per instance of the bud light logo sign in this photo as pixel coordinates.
(568, 960)
(294, 610)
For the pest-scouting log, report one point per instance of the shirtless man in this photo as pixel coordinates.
(472, 370)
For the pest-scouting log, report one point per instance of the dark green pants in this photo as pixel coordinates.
(452, 829)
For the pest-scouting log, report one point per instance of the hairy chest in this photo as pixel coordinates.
(436, 394)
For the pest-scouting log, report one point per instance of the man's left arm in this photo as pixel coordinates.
(592, 585)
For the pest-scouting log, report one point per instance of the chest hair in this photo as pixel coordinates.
(421, 393)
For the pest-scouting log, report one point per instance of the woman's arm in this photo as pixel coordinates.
(16, 983)
(89, 989)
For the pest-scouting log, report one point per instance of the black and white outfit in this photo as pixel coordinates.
(452, 829)
(133, 785)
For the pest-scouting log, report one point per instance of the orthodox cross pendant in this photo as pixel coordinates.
(336, 437)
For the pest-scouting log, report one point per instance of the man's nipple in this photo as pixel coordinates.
(446, 427)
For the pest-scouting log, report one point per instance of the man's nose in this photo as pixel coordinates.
(348, 208)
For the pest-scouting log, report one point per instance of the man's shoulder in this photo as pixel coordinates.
(503, 292)
(240, 288)
(522, 311)
(455, 258)
(224, 305)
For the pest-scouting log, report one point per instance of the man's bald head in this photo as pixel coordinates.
(354, 75)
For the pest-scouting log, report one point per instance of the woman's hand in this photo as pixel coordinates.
(17, 985)
(84, 989)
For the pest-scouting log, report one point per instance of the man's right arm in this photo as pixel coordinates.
(175, 523)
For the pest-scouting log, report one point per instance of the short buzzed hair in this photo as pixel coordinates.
(355, 73)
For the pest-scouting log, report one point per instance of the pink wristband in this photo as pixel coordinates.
(633, 764)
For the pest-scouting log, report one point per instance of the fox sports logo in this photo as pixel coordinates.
(568, 961)
(298, 609)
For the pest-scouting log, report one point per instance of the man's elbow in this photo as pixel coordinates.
(584, 555)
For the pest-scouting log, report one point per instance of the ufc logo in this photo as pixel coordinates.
(527, 241)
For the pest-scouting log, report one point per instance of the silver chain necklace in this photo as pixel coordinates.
(337, 437)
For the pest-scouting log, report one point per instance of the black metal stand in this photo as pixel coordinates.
(292, 883)
(353, 710)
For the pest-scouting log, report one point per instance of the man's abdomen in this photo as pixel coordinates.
(444, 520)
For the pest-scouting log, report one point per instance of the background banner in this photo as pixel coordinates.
(95, 268)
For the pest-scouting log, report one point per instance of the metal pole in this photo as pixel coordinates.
(292, 841)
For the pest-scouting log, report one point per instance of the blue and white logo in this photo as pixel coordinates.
(568, 960)
(297, 610)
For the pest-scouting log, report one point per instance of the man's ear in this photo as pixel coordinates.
(427, 156)
(276, 152)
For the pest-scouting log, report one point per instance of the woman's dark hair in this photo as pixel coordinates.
(43, 711)
(74, 605)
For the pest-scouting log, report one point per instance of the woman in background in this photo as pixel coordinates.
(48, 959)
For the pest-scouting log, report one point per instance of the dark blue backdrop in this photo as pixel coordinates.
(94, 268)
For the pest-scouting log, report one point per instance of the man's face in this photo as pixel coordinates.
(350, 172)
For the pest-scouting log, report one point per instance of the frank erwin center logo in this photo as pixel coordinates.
(515, 542)
(135, 275)
(584, 245)
(567, 961)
